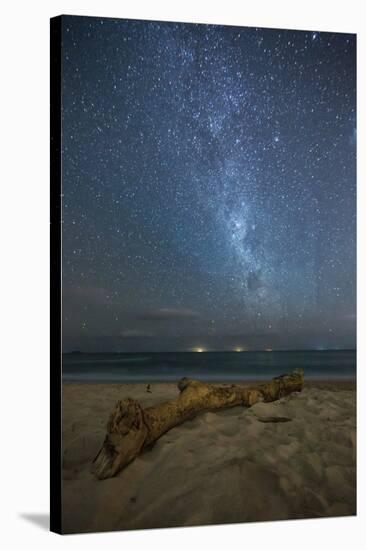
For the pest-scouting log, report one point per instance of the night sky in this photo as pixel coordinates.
(209, 187)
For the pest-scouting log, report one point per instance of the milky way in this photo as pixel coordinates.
(209, 187)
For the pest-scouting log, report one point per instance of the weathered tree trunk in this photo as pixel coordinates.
(131, 428)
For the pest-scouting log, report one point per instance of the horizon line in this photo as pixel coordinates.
(268, 350)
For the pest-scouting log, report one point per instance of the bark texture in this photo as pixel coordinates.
(131, 428)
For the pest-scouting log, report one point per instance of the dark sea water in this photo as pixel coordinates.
(153, 367)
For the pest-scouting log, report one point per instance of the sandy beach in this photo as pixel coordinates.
(221, 467)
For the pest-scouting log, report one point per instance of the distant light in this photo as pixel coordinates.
(238, 349)
(199, 350)
(269, 349)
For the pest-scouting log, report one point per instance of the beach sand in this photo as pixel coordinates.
(221, 467)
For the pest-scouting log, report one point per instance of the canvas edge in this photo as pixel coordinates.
(55, 277)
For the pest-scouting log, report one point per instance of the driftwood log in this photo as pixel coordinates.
(131, 429)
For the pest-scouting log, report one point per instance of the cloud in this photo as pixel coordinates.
(350, 317)
(169, 314)
(254, 281)
(88, 294)
(135, 333)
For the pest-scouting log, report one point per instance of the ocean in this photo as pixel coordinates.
(171, 366)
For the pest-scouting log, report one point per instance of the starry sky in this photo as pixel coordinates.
(208, 187)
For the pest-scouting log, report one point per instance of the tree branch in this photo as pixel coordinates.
(131, 428)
